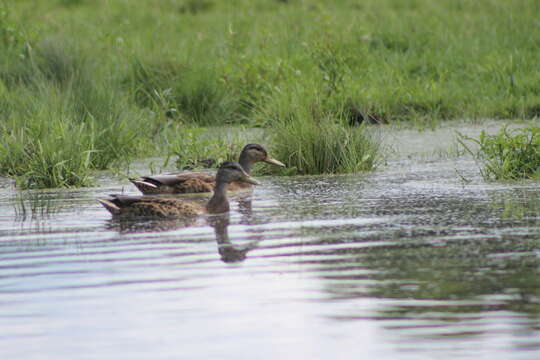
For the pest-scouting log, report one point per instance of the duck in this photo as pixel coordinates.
(162, 207)
(201, 182)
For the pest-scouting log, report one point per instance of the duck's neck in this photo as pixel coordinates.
(245, 162)
(219, 202)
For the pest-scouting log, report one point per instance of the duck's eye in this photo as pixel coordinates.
(256, 148)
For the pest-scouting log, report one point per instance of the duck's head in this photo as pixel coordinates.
(231, 171)
(257, 153)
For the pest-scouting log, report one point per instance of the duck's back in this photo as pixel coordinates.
(181, 183)
(138, 206)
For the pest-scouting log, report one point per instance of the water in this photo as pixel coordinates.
(421, 259)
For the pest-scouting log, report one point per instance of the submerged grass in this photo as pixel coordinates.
(509, 155)
(34, 206)
(122, 78)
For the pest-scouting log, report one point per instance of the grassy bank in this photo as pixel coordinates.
(89, 84)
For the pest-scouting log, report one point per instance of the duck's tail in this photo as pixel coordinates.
(110, 206)
(144, 186)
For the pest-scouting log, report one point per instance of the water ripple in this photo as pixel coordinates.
(405, 260)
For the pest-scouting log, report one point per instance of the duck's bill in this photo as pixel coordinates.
(269, 160)
(251, 180)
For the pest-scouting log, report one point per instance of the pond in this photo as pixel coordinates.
(418, 260)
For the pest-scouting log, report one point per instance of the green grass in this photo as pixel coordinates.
(324, 147)
(202, 148)
(126, 76)
(508, 155)
(185, 93)
(218, 62)
(59, 123)
(312, 136)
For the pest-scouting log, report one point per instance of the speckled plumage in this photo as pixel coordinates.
(140, 206)
(182, 183)
(146, 206)
(201, 182)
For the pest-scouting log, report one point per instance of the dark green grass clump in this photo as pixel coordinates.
(508, 155)
(324, 147)
(312, 134)
(321, 142)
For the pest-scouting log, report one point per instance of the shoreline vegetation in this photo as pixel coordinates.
(511, 154)
(89, 85)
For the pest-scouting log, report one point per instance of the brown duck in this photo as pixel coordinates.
(199, 182)
(135, 206)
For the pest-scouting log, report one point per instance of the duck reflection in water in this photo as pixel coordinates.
(229, 252)
(127, 226)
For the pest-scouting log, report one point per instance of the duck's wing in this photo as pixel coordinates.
(180, 183)
(175, 179)
(125, 200)
(189, 182)
(132, 205)
(116, 202)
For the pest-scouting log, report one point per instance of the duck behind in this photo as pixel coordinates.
(201, 182)
(146, 206)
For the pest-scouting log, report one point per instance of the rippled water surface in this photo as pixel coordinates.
(421, 259)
